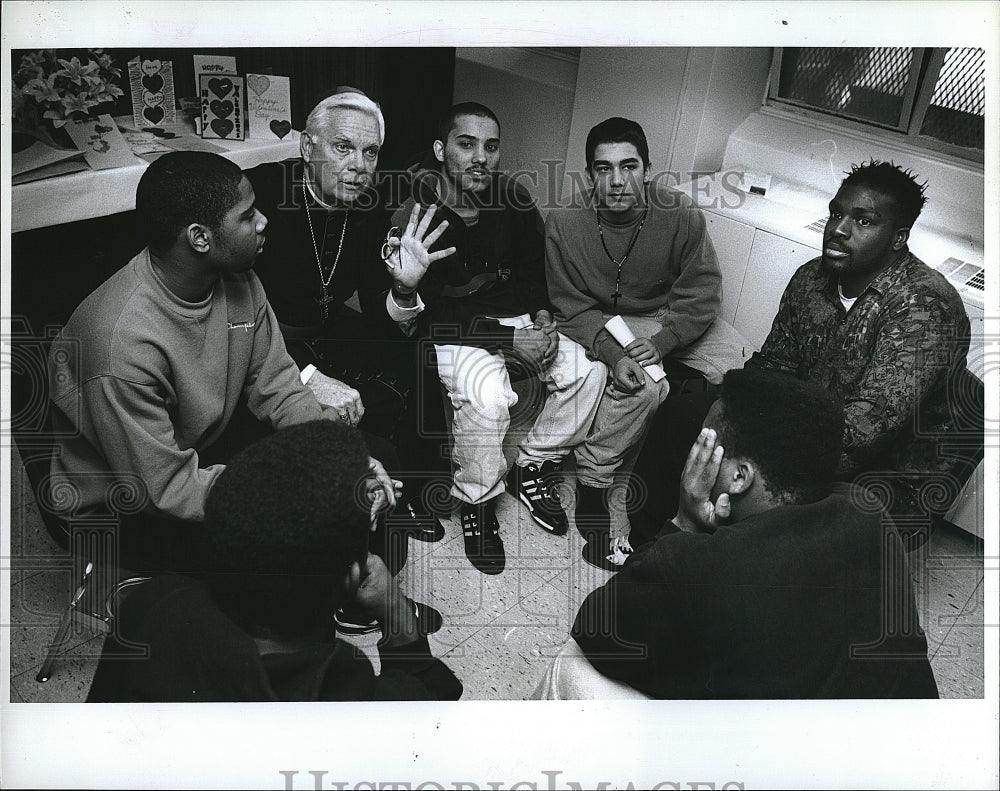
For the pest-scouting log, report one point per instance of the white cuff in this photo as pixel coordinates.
(306, 372)
(398, 314)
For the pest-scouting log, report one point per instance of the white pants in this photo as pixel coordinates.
(479, 389)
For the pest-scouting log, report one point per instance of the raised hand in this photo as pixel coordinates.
(696, 512)
(408, 257)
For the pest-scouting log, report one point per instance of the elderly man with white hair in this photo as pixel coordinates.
(326, 231)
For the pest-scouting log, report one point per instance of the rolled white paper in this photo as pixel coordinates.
(621, 332)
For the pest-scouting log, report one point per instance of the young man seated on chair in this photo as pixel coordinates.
(148, 373)
(288, 529)
(771, 582)
(637, 252)
(887, 335)
(485, 309)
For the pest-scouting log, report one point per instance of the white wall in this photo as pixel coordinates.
(531, 91)
(643, 84)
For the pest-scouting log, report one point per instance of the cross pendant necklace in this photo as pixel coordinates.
(324, 280)
(618, 264)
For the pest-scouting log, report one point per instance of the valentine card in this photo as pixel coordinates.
(211, 64)
(221, 106)
(269, 106)
(101, 143)
(152, 83)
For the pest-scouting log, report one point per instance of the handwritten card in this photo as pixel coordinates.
(101, 143)
(152, 83)
(221, 106)
(211, 64)
(269, 106)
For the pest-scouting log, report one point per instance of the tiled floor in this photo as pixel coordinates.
(500, 631)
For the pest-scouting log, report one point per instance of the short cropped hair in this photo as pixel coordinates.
(447, 122)
(893, 181)
(791, 429)
(345, 98)
(617, 130)
(185, 187)
(285, 520)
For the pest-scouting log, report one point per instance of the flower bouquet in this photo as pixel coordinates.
(50, 91)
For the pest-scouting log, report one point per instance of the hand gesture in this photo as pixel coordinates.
(536, 348)
(543, 320)
(382, 491)
(643, 351)
(343, 398)
(696, 512)
(407, 257)
(628, 376)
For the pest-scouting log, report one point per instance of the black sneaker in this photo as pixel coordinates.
(482, 537)
(349, 621)
(536, 487)
(415, 520)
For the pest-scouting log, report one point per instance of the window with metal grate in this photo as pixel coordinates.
(934, 97)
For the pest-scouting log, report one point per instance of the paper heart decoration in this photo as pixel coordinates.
(153, 114)
(153, 83)
(152, 99)
(151, 67)
(220, 87)
(280, 128)
(221, 109)
(258, 83)
(222, 127)
(101, 129)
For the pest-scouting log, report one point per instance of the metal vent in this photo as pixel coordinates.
(958, 104)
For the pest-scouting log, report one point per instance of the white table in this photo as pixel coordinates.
(98, 193)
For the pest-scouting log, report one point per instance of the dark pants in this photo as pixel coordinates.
(676, 426)
(400, 392)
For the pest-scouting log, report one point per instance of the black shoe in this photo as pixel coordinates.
(351, 621)
(536, 487)
(429, 620)
(482, 537)
(415, 520)
(596, 551)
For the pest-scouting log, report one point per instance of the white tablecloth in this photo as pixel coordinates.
(97, 193)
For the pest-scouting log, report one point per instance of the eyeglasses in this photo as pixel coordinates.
(387, 248)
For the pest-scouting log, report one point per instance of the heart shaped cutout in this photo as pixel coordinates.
(151, 67)
(152, 99)
(258, 83)
(221, 109)
(222, 127)
(220, 86)
(153, 83)
(153, 114)
(280, 128)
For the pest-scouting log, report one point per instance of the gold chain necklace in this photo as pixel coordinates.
(325, 280)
